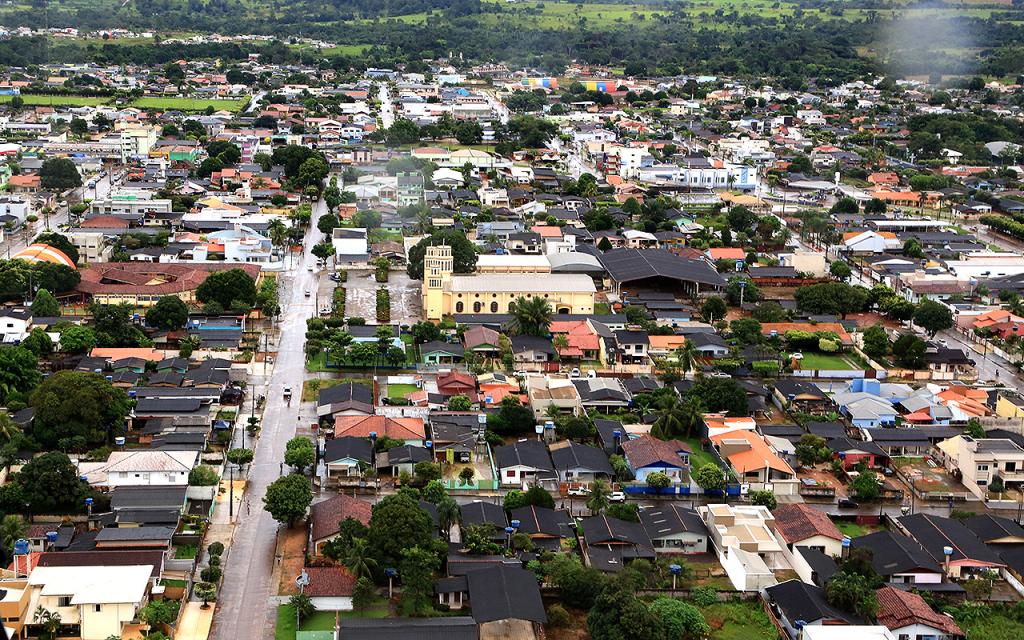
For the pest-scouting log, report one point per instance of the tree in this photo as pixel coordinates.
(933, 317)
(658, 480)
(466, 475)
(169, 313)
(876, 341)
(719, 394)
(48, 621)
(746, 330)
(575, 428)
(288, 497)
(77, 339)
(909, 351)
(425, 331)
(463, 252)
(681, 619)
(835, 298)
(12, 528)
(741, 287)
(618, 614)
(203, 475)
(579, 585)
(812, 450)
(764, 499)
(59, 174)
(713, 309)
(312, 172)
(597, 499)
(51, 483)
(854, 593)
(225, 287)
(865, 486)
(207, 592)
(45, 305)
(448, 514)
(363, 594)
(459, 403)
(426, 471)
(416, 570)
(19, 371)
(397, 523)
(512, 418)
(327, 223)
(709, 477)
(975, 429)
(357, 558)
(303, 606)
(875, 205)
(845, 205)
(71, 404)
(367, 219)
(741, 219)
(840, 270)
(240, 457)
(114, 325)
(531, 316)
(299, 453)
(227, 152)
(58, 241)
(38, 342)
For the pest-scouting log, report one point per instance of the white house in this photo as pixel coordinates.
(742, 537)
(14, 324)
(349, 242)
(100, 600)
(140, 468)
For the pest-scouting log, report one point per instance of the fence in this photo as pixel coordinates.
(457, 484)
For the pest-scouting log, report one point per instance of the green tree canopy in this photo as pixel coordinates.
(169, 312)
(19, 371)
(397, 523)
(50, 483)
(463, 252)
(59, 174)
(933, 317)
(72, 404)
(77, 339)
(45, 305)
(288, 497)
(719, 394)
(58, 241)
(225, 287)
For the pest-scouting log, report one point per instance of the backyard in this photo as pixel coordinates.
(322, 620)
(856, 530)
(401, 391)
(189, 104)
(825, 361)
(739, 620)
(311, 388)
(699, 457)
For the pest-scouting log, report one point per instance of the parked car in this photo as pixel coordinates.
(308, 293)
(579, 491)
(575, 373)
(616, 496)
(846, 503)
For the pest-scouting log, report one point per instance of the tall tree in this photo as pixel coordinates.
(50, 482)
(531, 316)
(45, 305)
(225, 287)
(288, 497)
(169, 312)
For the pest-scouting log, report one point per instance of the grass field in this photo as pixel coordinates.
(321, 620)
(699, 457)
(189, 104)
(60, 101)
(993, 627)
(739, 621)
(855, 530)
(401, 390)
(820, 361)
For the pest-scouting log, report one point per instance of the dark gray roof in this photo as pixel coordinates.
(843, 445)
(893, 553)
(483, 512)
(348, 447)
(989, 527)
(407, 453)
(505, 593)
(454, 628)
(135, 534)
(604, 529)
(147, 497)
(580, 456)
(936, 532)
(628, 265)
(535, 520)
(346, 392)
(527, 453)
(823, 565)
(799, 601)
(670, 520)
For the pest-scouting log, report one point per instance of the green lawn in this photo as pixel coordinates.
(187, 552)
(739, 621)
(189, 104)
(699, 457)
(401, 390)
(377, 236)
(855, 530)
(171, 582)
(311, 388)
(60, 101)
(819, 361)
(993, 626)
(322, 620)
(602, 308)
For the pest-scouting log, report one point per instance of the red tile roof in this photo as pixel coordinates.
(798, 522)
(898, 609)
(327, 515)
(363, 426)
(330, 582)
(648, 450)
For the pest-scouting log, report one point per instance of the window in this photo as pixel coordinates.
(64, 601)
(510, 473)
(459, 307)
(98, 608)
(494, 307)
(982, 467)
(1011, 466)
(477, 307)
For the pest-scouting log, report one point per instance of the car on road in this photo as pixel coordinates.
(575, 373)
(579, 491)
(308, 293)
(846, 503)
(309, 268)
(616, 496)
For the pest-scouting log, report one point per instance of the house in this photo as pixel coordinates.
(526, 348)
(708, 344)
(457, 383)
(802, 396)
(673, 528)
(799, 524)
(907, 615)
(483, 513)
(755, 462)
(742, 537)
(610, 543)
(576, 462)
(718, 423)
(503, 593)
(448, 628)
(346, 399)
(96, 600)
(350, 244)
(980, 462)
(546, 527)
(852, 452)
(140, 467)
(646, 455)
(345, 459)
(408, 430)
(544, 391)
(995, 530)
(632, 346)
(330, 588)
(603, 394)
(482, 341)
(796, 605)
(936, 534)
(524, 462)
(900, 559)
(402, 459)
(438, 352)
(326, 517)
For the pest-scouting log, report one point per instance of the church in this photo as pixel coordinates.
(446, 294)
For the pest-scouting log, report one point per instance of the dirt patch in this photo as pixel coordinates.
(293, 551)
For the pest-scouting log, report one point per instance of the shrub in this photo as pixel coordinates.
(383, 305)
(216, 548)
(765, 367)
(203, 476)
(558, 616)
(210, 574)
(827, 346)
(703, 596)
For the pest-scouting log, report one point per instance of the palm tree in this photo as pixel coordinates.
(598, 499)
(561, 342)
(531, 316)
(357, 558)
(670, 420)
(12, 528)
(687, 356)
(8, 427)
(48, 621)
(448, 515)
(278, 232)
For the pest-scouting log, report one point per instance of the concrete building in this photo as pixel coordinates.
(97, 601)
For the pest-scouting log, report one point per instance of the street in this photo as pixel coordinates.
(247, 602)
(387, 109)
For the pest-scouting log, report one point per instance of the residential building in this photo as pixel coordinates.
(968, 556)
(524, 462)
(673, 528)
(900, 559)
(646, 455)
(743, 538)
(909, 617)
(980, 462)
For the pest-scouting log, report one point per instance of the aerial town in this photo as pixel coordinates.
(470, 349)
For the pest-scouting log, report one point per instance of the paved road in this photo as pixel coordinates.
(387, 109)
(246, 607)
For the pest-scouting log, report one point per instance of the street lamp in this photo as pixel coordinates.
(675, 570)
(390, 573)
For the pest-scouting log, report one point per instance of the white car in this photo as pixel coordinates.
(575, 373)
(579, 491)
(617, 496)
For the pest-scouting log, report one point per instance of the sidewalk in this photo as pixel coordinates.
(222, 525)
(195, 622)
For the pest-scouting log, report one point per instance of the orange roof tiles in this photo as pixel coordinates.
(756, 457)
(363, 426)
